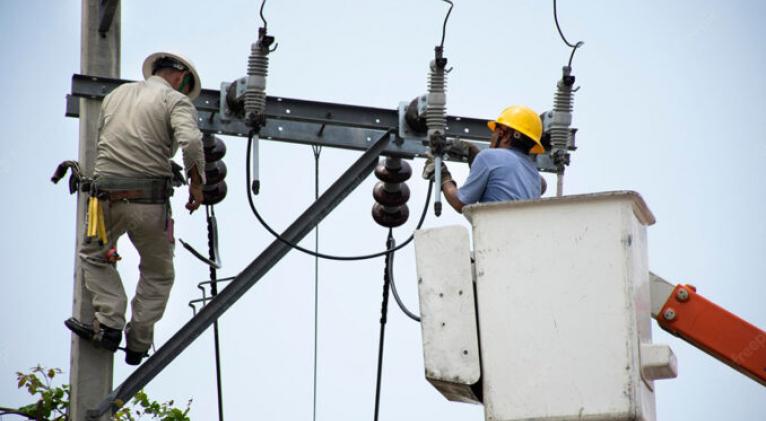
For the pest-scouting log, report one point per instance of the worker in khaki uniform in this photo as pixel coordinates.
(141, 127)
(505, 171)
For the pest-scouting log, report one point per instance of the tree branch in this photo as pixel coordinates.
(12, 411)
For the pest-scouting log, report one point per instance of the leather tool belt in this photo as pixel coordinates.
(146, 191)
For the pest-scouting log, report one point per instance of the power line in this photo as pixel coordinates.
(322, 255)
(574, 47)
(446, 18)
(317, 149)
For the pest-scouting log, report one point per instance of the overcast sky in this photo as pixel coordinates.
(670, 106)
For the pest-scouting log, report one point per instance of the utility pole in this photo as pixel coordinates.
(90, 370)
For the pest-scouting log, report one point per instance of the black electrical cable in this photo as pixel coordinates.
(212, 242)
(444, 27)
(321, 255)
(265, 24)
(405, 310)
(574, 47)
(390, 242)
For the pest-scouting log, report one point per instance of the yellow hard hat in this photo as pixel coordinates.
(524, 120)
(149, 66)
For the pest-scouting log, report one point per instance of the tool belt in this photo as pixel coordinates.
(145, 191)
(152, 189)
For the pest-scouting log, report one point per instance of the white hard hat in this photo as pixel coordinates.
(149, 67)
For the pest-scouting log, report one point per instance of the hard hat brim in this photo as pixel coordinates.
(149, 64)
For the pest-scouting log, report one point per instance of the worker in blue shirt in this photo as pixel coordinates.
(504, 171)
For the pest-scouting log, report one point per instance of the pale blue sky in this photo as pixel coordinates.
(670, 107)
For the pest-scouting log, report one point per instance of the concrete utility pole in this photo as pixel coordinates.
(90, 370)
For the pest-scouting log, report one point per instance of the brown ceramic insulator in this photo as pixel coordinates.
(391, 217)
(391, 195)
(215, 172)
(384, 172)
(214, 193)
(214, 148)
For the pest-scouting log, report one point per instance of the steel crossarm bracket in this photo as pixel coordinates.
(93, 87)
(306, 222)
(308, 122)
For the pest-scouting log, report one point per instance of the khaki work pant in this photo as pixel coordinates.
(145, 226)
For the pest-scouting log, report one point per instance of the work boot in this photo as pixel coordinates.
(102, 337)
(134, 357)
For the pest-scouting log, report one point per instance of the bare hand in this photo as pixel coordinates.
(195, 197)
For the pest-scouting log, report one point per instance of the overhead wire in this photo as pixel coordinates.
(446, 18)
(322, 255)
(265, 24)
(317, 149)
(575, 46)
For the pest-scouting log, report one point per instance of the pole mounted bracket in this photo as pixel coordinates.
(106, 11)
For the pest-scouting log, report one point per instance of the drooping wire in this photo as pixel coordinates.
(317, 149)
(312, 253)
(265, 24)
(574, 47)
(399, 302)
(446, 18)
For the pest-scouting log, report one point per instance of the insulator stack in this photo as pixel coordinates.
(391, 193)
(257, 70)
(436, 119)
(563, 105)
(215, 188)
(255, 96)
(436, 110)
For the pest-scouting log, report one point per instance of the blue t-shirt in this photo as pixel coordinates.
(500, 174)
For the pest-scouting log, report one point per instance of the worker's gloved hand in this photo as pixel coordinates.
(195, 197)
(460, 149)
(429, 171)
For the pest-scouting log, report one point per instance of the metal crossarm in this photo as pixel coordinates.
(345, 184)
(308, 122)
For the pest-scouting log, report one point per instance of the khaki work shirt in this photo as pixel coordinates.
(141, 126)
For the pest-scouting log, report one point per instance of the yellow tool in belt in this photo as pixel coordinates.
(96, 224)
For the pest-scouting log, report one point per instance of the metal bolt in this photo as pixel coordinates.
(669, 314)
(682, 295)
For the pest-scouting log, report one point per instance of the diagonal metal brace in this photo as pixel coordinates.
(345, 184)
